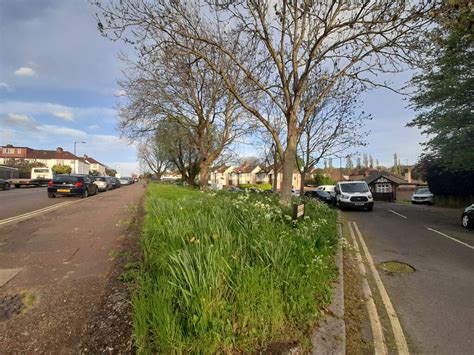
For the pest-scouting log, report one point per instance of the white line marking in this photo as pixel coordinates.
(400, 340)
(398, 214)
(36, 212)
(453, 239)
(375, 324)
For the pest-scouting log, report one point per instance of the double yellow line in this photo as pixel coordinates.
(35, 213)
(376, 325)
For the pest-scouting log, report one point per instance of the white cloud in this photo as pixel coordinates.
(120, 93)
(65, 115)
(62, 131)
(25, 71)
(94, 126)
(15, 117)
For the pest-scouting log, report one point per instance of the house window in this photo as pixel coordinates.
(383, 188)
(9, 150)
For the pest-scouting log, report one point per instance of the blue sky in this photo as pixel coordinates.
(58, 84)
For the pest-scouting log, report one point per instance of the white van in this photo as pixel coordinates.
(354, 194)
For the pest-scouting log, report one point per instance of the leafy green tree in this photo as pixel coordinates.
(110, 172)
(445, 91)
(24, 166)
(61, 169)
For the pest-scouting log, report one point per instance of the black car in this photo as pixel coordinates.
(467, 218)
(115, 183)
(320, 195)
(4, 185)
(81, 185)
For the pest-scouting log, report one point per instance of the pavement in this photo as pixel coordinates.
(62, 259)
(434, 304)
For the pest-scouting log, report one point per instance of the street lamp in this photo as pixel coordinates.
(75, 169)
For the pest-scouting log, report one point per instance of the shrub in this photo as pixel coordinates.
(227, 272)
(262, 187)
(61, 169)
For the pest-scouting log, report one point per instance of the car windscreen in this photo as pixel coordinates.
(422, 191)
(323, 193)
(66, 179)
(354, 187)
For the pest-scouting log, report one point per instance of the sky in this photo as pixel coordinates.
(58, 85)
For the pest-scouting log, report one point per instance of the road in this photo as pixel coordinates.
(15, 202)
(61, 261)
(435, 303)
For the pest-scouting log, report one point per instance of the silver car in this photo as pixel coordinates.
(422, 195)
(104, 183)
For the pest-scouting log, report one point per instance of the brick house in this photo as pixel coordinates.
(244, 174)
(94, 165)
(46, 157)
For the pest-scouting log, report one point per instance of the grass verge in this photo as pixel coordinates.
(225, 272)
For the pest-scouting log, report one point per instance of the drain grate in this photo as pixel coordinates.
(396, 267)
(10, 305)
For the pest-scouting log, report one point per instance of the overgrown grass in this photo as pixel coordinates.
(229, 272)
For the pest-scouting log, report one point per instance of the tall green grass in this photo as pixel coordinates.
(229, 272)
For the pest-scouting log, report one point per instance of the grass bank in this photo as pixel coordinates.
(227, 272)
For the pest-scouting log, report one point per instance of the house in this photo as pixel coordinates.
(220, 175)
(244, 174)
(386, 186)
(94, 165)
(46, 157)
(296, 183)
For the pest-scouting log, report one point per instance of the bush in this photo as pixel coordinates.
(227, 272)
(61, 169)
(262, 187)
(320, 179)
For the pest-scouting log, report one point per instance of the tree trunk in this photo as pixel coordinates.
(275, 172)
(288, 166)
(303, 177)
(203, 173)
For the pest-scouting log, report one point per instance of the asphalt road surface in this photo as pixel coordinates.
(15, 202)
(435, 303)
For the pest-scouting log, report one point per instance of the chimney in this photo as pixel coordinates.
(59, 149)
(408, 174)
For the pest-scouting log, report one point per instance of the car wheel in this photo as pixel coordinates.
(85, 194)
(6, 186)
(465, 221)
(51, 195)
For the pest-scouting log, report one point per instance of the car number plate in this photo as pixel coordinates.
(64, 190)
(359, 203)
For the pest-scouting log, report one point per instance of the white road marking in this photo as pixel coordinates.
(400, 339)
(453, 239)
(7, 274)
(375, 324)
(35, 213)
(398, 214)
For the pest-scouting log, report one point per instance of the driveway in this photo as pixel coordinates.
(62, 260)
(434, 303)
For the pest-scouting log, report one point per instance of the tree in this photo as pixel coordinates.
(110, 172)
(163, 84)
(61, 169)
(276, 48)
(444, 93)
(24, 166)
(176, 141)
(365, 159)
(349, 164)
(371, 162)
(153, 155)
(377, 163)
(358, 163)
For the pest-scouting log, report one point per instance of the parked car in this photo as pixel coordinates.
(467, 218)
(104, 183)
(115, 182)
(126, 180)
(422, 195)
(4, 185)
(354, 194)
(330, 189)
(321, 195)
(295, 192)
(70, 185)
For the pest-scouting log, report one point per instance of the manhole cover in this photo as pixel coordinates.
(396, 267)
(10, 305)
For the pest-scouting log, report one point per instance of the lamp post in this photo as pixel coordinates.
(75, 169)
